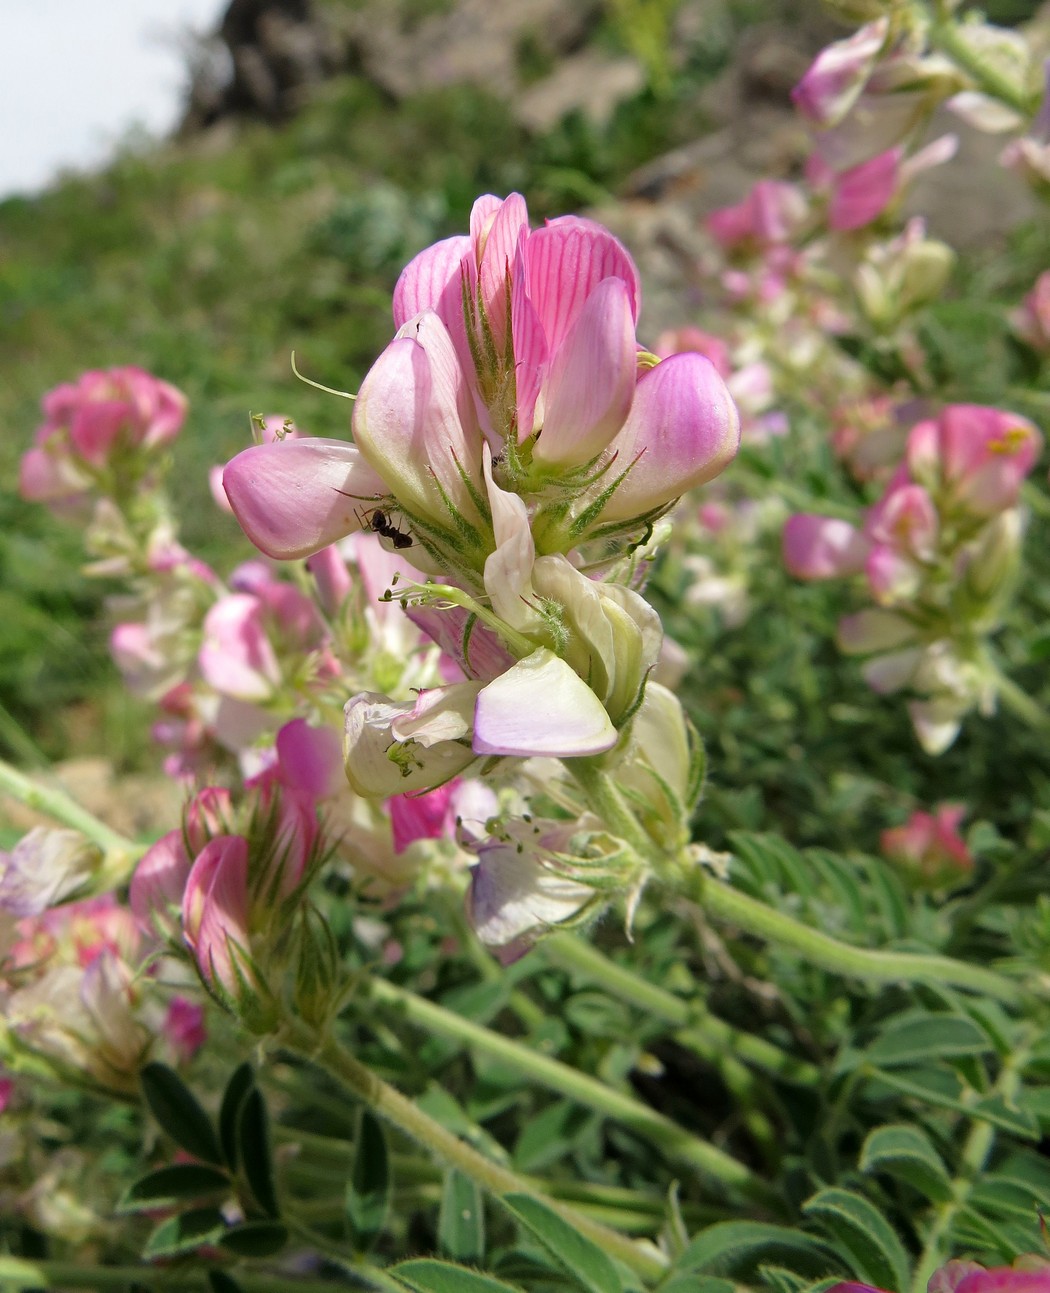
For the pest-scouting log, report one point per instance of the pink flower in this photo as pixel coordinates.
(89, 424)
(974, 457)
(772, 213)
(215, 914)
(839, 73)
(969, 1277)
(1032, 320)
(184, 1028)
(822, 547)
(930, 844)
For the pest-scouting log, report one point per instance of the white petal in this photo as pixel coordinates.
(541, 707)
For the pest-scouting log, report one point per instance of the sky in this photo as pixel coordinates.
(77, 75)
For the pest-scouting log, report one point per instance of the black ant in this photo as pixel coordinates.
(379, 522)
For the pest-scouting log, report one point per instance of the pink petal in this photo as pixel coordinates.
(431, 281)
(541, 707)
(822, 547)
(592, 380)
(236, 656)
(311, 759)
(565, 262)
(863, 192)
(495, 235)
(414, 422)
(298, 496)
(683, 429)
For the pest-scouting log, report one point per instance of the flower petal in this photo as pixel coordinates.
(541, 707)
(592, 380)
(297, 496)
(683, 429)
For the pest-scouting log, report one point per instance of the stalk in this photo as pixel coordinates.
(655, 1127)
(121, 853)
(947, 37)
(402, 1113)
(698, 1029)
(69, 1277)
(750, 916)
(974, 1157)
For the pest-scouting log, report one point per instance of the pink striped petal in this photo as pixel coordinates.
(592, 380)
(431, 281)
(495, 233)
(298, 496)
(565, 262)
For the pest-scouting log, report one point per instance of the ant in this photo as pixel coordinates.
(379, 522)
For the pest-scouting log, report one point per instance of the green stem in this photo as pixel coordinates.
(947, 36)
(753, 917)
(607, 803)
(69, 1277)
(1020, 703)
(121, 853)
(698, 1027)
(655, 1127)
(974, 1156)
(403, 1114)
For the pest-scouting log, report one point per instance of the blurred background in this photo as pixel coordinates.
(201, 188)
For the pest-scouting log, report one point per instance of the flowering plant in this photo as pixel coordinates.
(524, 909)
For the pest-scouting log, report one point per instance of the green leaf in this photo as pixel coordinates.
(728, 1245)
(256, 1238)
(168, 1186)
(904, 1151)
(864, 1236)
(253, 1145)
(914, 1038)
(242, 1079)
(185, 1233)
(581, 1258)
(178, 1111)
(461, 1221)
(696, 1284)
(368, 1191)
(941, 1088)
(430, 1276)
(222, 1283)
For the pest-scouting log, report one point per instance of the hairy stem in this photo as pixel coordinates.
(974, 1156)
(402, 1113)
(121, 853)
(659, 1130)
(947, 36)
(723, 902)
(697, 1026)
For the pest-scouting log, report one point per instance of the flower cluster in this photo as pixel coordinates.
(937, 552)
(100, 435)
(516, 436)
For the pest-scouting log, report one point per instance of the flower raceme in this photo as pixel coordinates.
(522, 340)
(109, 422)
(511, 421)
(938, 551)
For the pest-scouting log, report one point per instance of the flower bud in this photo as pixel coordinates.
(996, 555)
